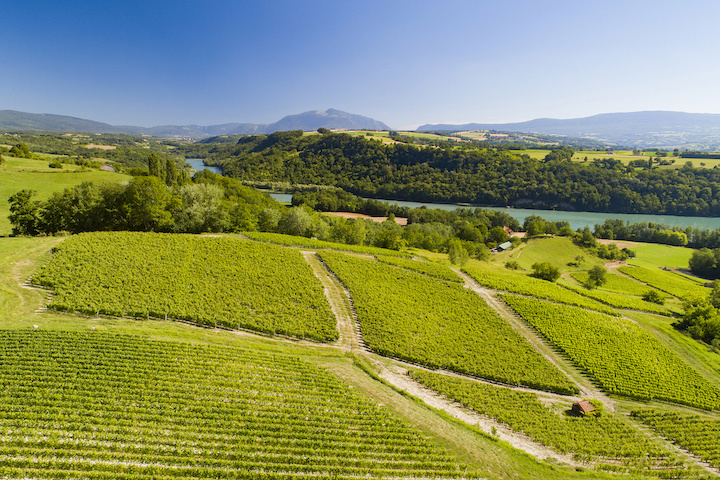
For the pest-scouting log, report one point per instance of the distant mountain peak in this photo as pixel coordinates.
(330, 118)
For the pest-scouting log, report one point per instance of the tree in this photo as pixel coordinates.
(149, 205)
(297, 221)
(171, 175)
(154, 166)
(24, 213)
(457, 252)
(497, 235)
(704, 262)
(653, 296)
(21, 150)
(597, 276)
(202, 209)
(545, 271)
(534, 228)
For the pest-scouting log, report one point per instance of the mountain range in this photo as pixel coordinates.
(14, 121)
(692, 131)
(697, 131)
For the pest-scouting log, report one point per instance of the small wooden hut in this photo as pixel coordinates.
(583, 408)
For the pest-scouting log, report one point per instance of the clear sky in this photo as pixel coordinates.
(156, 62)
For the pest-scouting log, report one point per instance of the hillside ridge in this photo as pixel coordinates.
(15, 121)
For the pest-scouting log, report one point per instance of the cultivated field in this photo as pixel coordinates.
(226, 282)
(85, 396)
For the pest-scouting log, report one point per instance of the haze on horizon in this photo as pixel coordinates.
(404, 63)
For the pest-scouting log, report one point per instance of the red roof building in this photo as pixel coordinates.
(583, 408)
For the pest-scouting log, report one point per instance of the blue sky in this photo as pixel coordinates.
(402, 62)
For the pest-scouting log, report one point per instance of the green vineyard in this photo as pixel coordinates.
(97, 405)
(303, 242)
(618, 300)
(616, 283)
(432, 269)
(673, 283)
(694, 433)
(609, 441)
(622, 357)
(510, 281)
(440, 324)
(225, 282)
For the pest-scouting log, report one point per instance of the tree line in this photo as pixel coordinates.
(457, 174)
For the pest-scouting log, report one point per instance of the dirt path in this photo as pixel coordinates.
(587, 389)
(340, 303)
(396, 375)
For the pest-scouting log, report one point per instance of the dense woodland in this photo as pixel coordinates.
(456, 174)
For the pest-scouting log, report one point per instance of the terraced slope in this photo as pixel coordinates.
(228, 282)
(98, 405)
(412, 316)
(621, 356)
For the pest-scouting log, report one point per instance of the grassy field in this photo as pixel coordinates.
(558, 251)
(384, 136)
(655, 255)
(20, 173)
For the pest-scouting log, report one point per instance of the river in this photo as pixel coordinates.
(199, 164)
(575, 219)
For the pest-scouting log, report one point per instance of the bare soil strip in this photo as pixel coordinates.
(587, 389)
(340, 302)
(397, 376)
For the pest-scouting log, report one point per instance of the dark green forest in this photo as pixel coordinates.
(456, 174)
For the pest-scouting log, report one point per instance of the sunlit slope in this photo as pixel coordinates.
(622, 357)
(227, 282)
(20, 173)
(422, 319)
(98, 405)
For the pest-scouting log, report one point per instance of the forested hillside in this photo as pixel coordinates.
(486, 176)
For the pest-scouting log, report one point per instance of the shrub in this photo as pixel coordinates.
(597, 276)
(653, 296)
(545, 271)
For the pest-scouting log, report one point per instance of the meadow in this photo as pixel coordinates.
(21, 173)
